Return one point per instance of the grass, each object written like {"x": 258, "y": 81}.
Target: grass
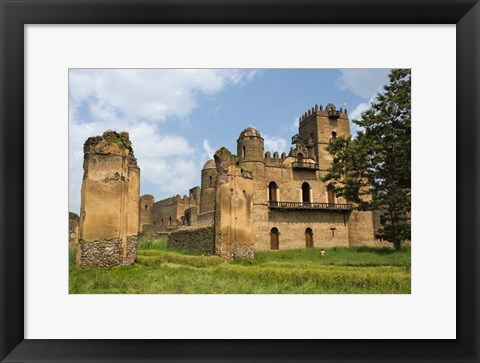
{"x": 341, "y": 271}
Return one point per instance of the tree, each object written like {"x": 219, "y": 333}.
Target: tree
{"x": 374, "y": 169}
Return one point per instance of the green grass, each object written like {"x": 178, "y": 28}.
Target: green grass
{"x": 341, "y": 271}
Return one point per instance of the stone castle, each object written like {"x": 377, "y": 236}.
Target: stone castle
{"x": 251, "y": 201}
{"x": 287, "y": 204}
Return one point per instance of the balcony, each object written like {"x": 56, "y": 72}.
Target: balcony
{"x": 298, "y": 139}
{"x": 310, "y": 206}
{"x": 304, "y": 165}
{"x": 333, "y": 113}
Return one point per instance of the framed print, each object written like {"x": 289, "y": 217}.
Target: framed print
{"x": 43, "y": 318}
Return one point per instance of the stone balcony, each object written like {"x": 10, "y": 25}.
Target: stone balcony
{"x": 304, "y": 165}
{"x": 309, "y": 206}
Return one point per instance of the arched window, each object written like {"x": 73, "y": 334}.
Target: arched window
{"x": 274, "y": 240}
{"x": 306, "y": 193}
{"x": 210, "y": 181}
{"x": 308, "y": 238}
{"x": 169, "y": 221}
{"x": 272, "y": 191}
{"x": 146, "y": 206}
{"x": 334, "y": 136}
{"x": 243, "y": 151}
{"x": 299, "y": 156}
{"x": 161, "y": 222}
{"x": 330, "y": 195}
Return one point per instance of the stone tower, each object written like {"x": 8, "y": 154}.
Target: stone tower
{"x": 207, "y": 191}
{"x": 146, "y": 203}
{"x": 109, "y": 213}
{"x": 317, "y": 127}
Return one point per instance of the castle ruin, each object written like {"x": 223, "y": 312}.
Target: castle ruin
{"x": 257, "y": 201}
{"x": 109, "y": 212}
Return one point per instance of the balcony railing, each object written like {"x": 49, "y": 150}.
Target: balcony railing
{"x": 333, "y": 113}
{"x": 297, "y": 138}
{"x": 304, "y": 165}
{"x": 308, "y": 205}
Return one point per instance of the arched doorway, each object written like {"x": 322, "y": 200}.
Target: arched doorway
{"x": 272, "y": 191}
{"x": 306, "y": 192}
{"x": 274, "y": 239}
{"x": 309, "y": 238}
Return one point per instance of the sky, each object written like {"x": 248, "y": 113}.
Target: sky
{"x": 178, "y": 118}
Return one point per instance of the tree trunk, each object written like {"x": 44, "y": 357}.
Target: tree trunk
{"x": 398, "y": 245}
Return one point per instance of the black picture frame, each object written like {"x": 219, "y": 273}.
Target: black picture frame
{"x": 16, "y": 13}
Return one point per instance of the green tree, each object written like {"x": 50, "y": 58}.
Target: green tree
{"x": 374, "y": 169}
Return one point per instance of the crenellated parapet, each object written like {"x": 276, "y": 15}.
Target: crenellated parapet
{"x": 330, "y": 111}
{"x": 274, "y": 160}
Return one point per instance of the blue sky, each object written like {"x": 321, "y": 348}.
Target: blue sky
{"x": 177, "y": 118}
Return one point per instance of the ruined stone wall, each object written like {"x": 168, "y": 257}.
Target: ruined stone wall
{"x": 73, "y": 228}
{"x": 109, "y": 215}
{"x": 233, "y": 208}
{"x": 195, "y": 240}
{"x": 206, "y": 219}
{"x": 169, "y": 209}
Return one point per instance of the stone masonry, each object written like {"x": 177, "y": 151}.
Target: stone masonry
{"x": 259, "y": 200}
{"x": 109, "y": 213}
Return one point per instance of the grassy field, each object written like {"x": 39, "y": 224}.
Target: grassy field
{"x": 359, "y": 270}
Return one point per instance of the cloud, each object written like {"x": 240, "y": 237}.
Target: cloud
{"x": 274, "y": 143}
{"x": 357, "y": 114}
{"x": 140, "y": 101}
{"x": 208, "y": 151}
{"x": 363, "y": 82}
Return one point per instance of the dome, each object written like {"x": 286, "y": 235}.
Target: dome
{"x": 210, "y": 164}
{"x": 249, "y": 132}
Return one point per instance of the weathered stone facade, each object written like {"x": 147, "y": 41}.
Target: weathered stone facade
{"x": 196, "y": 240}
{"x": 109, "y": 213}
{"x": 276, "y": 202}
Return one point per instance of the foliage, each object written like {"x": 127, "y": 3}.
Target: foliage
{"x": 374, "y": 170}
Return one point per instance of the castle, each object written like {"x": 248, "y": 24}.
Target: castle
{"x": 258, "y": 201}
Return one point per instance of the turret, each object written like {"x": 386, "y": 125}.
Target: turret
{"x": 250, "y": 145}
{"x": 207, "y": 193}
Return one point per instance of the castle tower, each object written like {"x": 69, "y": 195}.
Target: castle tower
{"x": 146, "y": 203}
{"x": 250, "y": 145}
{"x": 318, "y": 127}
{"x": 207, "y": 192}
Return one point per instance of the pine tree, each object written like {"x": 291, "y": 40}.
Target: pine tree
{"x": 374, "y": 170}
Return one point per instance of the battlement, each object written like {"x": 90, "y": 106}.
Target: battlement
{"x": 172, "y": 200}
{"x": 330, "y": 111}
{"x": 275, "y": 159}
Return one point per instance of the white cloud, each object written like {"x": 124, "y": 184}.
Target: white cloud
{"x": 208, "y": 151}
{"x": 357, "y": 114}
{"x": 363, "y": 82}
{"x": 274, "y": 143}
{"x": 138, "y": 101}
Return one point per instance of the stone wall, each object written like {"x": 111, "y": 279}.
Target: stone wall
{"x": 73, "y": 228}
{"x": 170, "y": 211}
{"x": 197, "y": 240}
{"x": 107, "y": 253}
{"x": 109, "y": 213}
{"x": 233, "y": 208}
{"x": 329, "y": 229}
